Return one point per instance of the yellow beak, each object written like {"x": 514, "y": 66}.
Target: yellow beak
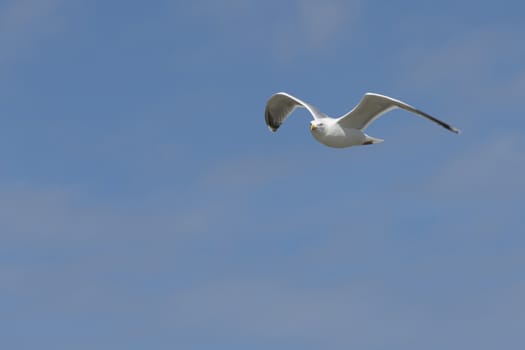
{"x": 312, "y": 127}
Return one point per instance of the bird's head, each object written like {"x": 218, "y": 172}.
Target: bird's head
{"x": 316, "y": 125}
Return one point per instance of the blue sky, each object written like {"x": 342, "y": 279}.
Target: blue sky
{"x": 144, "y": 203}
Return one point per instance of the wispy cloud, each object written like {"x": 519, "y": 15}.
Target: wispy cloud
{"x": 494, "y": 168}
{"x": 22, "y": 22}
{"x": 339, "y": 317}
{"x": 314, "y": 26}
{"x": 285, "y": 30}
{"x": 479, "y": 65}
{"x": 38, "y": 211}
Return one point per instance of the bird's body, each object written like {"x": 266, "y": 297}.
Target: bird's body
{"x": 347, "y": 130}
{"x": 331, "y": 134}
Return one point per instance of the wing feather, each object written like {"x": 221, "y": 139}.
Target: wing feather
{"x": 281, "y": 105}
{"x": 372, "y": 106}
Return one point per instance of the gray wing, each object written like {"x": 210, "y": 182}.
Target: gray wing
{"x": 372, "y": 106}
{"x": 281, "y": 105}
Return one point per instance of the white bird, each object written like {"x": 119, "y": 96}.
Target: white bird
{"x": 347, "y": 130}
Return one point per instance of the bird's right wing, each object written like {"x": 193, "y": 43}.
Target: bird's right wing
{"x": 372, "y": 106}
{"x": 281, "y": 105}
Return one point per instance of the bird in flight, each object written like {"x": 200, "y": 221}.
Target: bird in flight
{"x": 347, "y": 130}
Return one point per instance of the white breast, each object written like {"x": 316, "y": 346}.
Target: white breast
{"x": 335, "y": 136}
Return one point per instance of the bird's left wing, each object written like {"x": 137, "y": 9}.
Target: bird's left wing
{"x": 372, "y": 106}
{"x": 281, "y": 105}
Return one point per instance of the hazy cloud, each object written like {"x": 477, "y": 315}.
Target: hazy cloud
{"x": 495, "y": 167}
{"x": 314, "y": 26}
{"x": 22, "y": 22}
{"x": 480, "y": 65}
{"x": 339, "y": 317}
{"x": 285, "y": 29}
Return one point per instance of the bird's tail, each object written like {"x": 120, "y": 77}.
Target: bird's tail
{"x": 371, "y": 140}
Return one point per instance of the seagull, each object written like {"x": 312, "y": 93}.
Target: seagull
{"x": 347, "y": 130}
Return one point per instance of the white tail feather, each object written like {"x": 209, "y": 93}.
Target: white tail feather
{"x": 371, "y": 140}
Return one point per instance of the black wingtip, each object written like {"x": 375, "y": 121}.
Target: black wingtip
{"x": 453, "y": 129}
{"x": 272, "y": 126}
{"x": 434, "y": 119}
{"x": 271, "y": 122}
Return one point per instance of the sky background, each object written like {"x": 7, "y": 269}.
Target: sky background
{"x": 145, "y": 205}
